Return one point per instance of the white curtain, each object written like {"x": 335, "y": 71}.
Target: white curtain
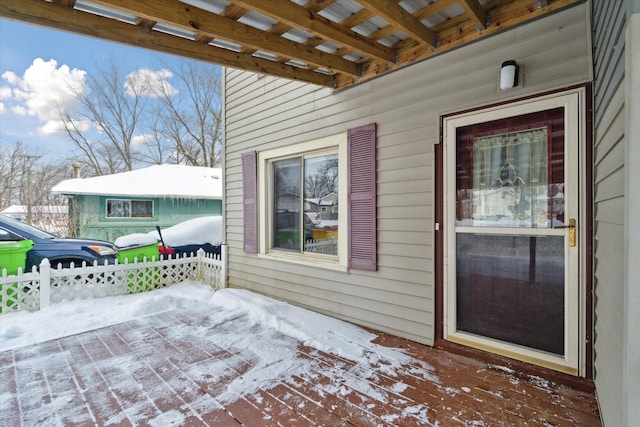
{"x": 510, "y": 179}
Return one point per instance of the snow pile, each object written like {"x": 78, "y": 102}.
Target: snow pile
{"x": 272, "y": 330}
{"x": 68, "y": 318}
{"x": 136, "y": 239}
{"x": 196, "y": 231}
{"x": 266, "y": 332}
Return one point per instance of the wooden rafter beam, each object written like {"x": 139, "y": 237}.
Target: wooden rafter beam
{"x": 204, "y": 28}
{"x": 146, "y": 24}
{"x": 475, "y": 12}
{"x": 209, "y": 24}
{"x": 434, "y": 8}
{"x": 299, "y": 17}
{"x": 357, "y": 18}
{"x": 51, "y": 15}
{"x": 504, "y": 14}
{"x": 281, "y": 28}
{"x": 234, "y": 12}
{"x": 66, "y": 3}
{"x": 403, "y": 20}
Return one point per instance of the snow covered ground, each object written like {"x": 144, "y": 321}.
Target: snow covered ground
{"x": 277, "y": 355}
{"x": 69, "y": 318}
{"x": 195, "y": 350}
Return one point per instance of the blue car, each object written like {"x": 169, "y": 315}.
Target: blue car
{"x": 59, "y": 250}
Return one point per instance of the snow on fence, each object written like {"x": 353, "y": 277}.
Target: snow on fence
{"x": 46, "y": 285}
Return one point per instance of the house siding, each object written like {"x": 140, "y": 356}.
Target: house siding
{"x": 609, "y": 189}
{"x": 609, "y": 20}
{"x": 616, "y": 192}
{"x": 265, "y": 113}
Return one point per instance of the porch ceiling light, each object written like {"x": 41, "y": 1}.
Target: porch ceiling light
{"x": 509, "y": 75}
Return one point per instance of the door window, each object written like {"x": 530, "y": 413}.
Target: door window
{"x": 510, "y": 286}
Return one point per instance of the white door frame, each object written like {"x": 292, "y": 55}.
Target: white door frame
{"x": 573, "y": 101}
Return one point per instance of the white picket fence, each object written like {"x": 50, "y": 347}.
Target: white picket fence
{"x": 46, "y": 285}
{"x": 322, "y": 246}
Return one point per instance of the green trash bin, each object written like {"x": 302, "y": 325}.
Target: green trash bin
{"x": 145, "y": 279}
{"x": 13, "y": 255}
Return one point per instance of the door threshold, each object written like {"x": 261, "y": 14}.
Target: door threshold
{"x": 513, "y": 351}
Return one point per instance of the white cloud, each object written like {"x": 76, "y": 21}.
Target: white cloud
{"x": 142, "y": 139}
{"x": 53, "y": 127}
{"x": 2, "y": 108}
{"x": 11, "y": 77}
{"x": 43, "y": 90}
{"x": 19, "y": 110}
{"x": 5, "y": 92}
{"x": 151, "y": 83}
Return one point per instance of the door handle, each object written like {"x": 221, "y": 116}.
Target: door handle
{"x": 572, "y": 231}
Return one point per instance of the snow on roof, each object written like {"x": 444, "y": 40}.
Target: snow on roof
{"x": 44, "y": 209}
{"x": 171, "y": 181}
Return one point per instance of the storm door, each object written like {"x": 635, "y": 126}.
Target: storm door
{"x": 512, "y": 281}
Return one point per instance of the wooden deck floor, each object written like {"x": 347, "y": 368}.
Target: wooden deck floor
{"x": 153, "y": 372}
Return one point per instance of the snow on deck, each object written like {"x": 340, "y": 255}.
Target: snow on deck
{"x": 188, "y": 356}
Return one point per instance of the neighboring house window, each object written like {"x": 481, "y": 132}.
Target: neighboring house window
{"x": 278, "y": 183}
{"x": 118, "y": 208}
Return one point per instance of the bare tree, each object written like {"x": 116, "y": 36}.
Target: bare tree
{"x": 325, "y": 180}
{"x": 116, "y": 109}
{"x": 140, "y": 118}
{"x": 26, "y": 179}
{"x": 189, "y": 121}
{"x": 11, "y": 159}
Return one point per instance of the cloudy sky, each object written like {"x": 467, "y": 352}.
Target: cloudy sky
{"x": 38, "y": 67}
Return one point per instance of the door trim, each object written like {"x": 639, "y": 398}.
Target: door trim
{"x": 577, "y": 357}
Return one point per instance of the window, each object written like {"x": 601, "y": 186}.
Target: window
{"x": 119, "y": 208}
{"x": 313, "y": 202}
{"x": 296, "y": 180}
{"x": 7, "y": 236}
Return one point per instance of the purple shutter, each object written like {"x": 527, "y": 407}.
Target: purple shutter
{"x": 250, "y": 201}
{"x": 361, "y": 188}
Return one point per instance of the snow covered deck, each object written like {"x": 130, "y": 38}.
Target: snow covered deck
{"x": 242, "y": 359}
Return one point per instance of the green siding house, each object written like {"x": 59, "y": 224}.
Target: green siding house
{"x": 109, "y": 206}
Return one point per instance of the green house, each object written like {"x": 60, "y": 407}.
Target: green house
{"x": 109, "y": 206}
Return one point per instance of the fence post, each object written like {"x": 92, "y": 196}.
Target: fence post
{"x": 45, "y": 283}
{"x": 200, "y": 254}
{"x": 223, "y": 273}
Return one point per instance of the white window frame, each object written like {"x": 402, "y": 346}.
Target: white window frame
{"x": 106, "y": 208}
{"x": 335, "y": 143}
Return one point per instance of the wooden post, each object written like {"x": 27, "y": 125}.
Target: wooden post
{"x": 224, "y": 259}
{"x": 45, "y": 283}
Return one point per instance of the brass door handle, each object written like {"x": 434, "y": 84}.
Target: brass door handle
{"x": 572, "y": 231}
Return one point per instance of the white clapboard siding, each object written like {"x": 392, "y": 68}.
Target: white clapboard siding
{"x": 265, "y": 113}
{"x": 610, "y": 146}
{"x": 609, "y": 254}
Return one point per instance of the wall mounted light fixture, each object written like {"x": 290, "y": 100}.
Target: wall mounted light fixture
{"x": 509, "y": 75}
